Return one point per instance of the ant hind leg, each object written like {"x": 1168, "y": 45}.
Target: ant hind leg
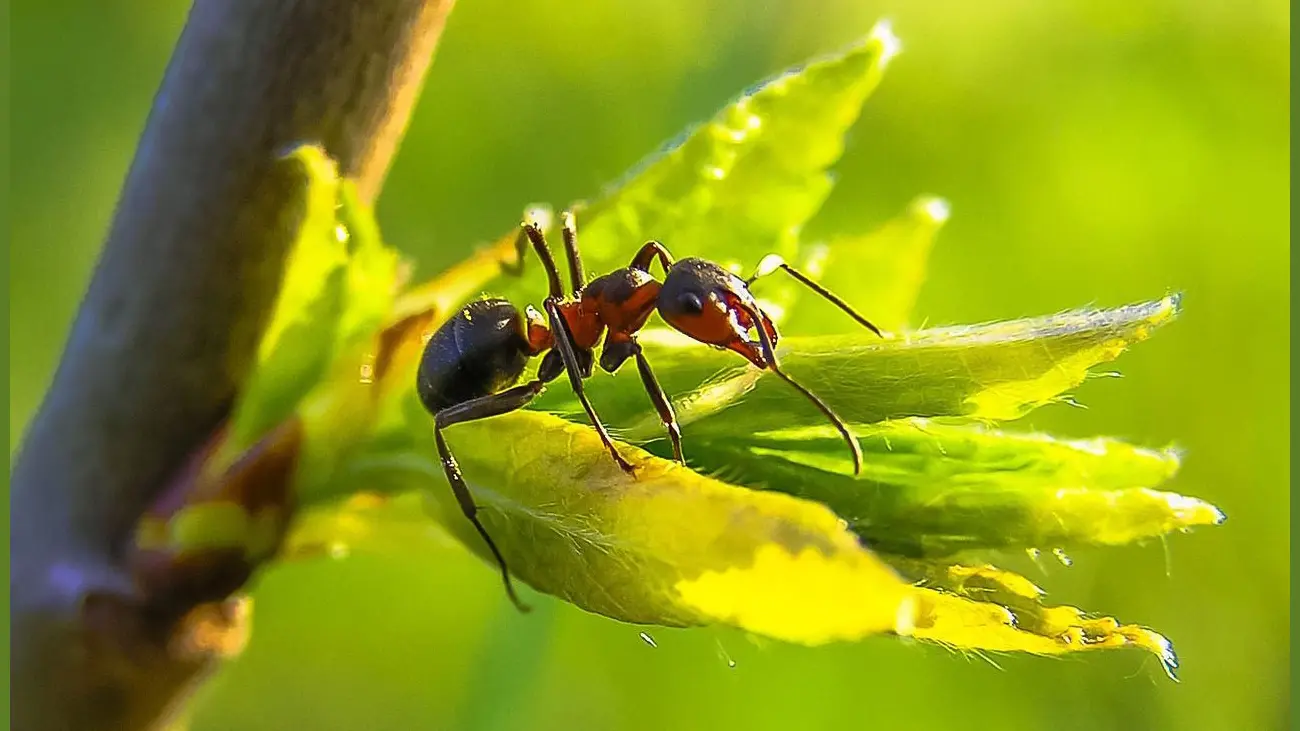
{"x": 495, "y": 404}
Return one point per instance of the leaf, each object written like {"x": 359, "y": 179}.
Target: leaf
{"x": 304, "y": 403}
{"x": 993, "y": 371}
{"x": 932, "y": 489}
{"x": 317, "y": 252}
{"x": 881, "y": 271}
{"x": 365, "y": 522}
{"x": 372, "y": 268}
{"x": 743, "y": 183}
{"x": 985, "y": 608}
{"x": 339, "y": 409}
{"x": 299, "y": 341}
{"x": 572, "y": 524}
{"x": 338, "y": 288}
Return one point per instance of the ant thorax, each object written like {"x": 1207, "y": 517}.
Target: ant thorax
{"x": 622, "y": 300}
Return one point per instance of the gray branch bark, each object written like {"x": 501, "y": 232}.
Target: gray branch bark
{"x": 168, "y": 328}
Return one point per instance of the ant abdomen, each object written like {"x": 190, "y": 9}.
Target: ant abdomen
{"x": 480, "y": 351}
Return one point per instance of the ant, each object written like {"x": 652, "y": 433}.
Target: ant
{"x": 471, "y": 366}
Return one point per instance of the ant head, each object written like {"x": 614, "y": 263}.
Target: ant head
{"x": 714, "y": 306}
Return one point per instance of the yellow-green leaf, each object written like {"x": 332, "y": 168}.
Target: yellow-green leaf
{"x": 936, "y": 489}
{"x": 984, "y": 608}
{"x": 992, "y": 371}
{"x": 299, "y": 342}
{"x": 318, "y": 250}
{"x": 881, "y": 271}
{"x": 338, "y": 288}
{"x": 668, "y": 547}
{"x": 743, "y": 183}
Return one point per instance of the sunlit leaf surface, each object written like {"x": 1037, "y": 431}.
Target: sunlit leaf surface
{"x": 572, "y": 524}
{"x": 1006, "y": 622}
{"x": 938, "y": 489}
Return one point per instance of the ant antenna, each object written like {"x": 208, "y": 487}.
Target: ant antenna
{"x": 769, "y": 353}
{"x": 831, "y": 415}
{"x": 773, "y": 262}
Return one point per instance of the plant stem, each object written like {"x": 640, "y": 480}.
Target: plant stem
{"x": 169, "y": 326}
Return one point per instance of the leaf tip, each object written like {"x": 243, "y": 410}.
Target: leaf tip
{"x": 933, "y": 209}
{"x": 1156, "y": 644}
{"x": 1169, "y": 307}
{"x": 312, "y": 157}
{"x": 1191, "y": 512}
{"x": 883, "y": 37}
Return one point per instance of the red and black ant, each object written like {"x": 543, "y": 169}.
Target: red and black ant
{"x": 471, "y": 366}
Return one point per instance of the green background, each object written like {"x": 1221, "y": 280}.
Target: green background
{"x": 1093, "y": 152}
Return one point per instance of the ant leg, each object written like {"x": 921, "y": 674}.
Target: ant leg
{"x": 660, "y": 401}
{"x": 534, "y": 234}
{"x": 649, "y": 251}
{"x": 564, "y": 344}
{"x": 495, "y": 404}
{"x": 516, "y": 267}
{"x": 773, "y": 262}
{"x": 769, "y": 354}
{"x": 569, "y": 231}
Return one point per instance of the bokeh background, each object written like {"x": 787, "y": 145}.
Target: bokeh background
{"x": 1094, "y": 152}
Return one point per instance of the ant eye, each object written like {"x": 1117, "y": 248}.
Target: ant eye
{"x": 690, "y": 303}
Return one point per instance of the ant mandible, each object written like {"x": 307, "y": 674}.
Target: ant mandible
{"x": 472, "y": 365}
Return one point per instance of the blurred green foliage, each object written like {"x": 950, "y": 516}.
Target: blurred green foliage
{"x": 1093, "y": 152}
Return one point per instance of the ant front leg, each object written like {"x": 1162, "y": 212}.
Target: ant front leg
{"x": 512, "y": 399}
{"x": 534, "y": 234}
{"x": 564, "y": 344}
{"x": 569, "y": 232}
